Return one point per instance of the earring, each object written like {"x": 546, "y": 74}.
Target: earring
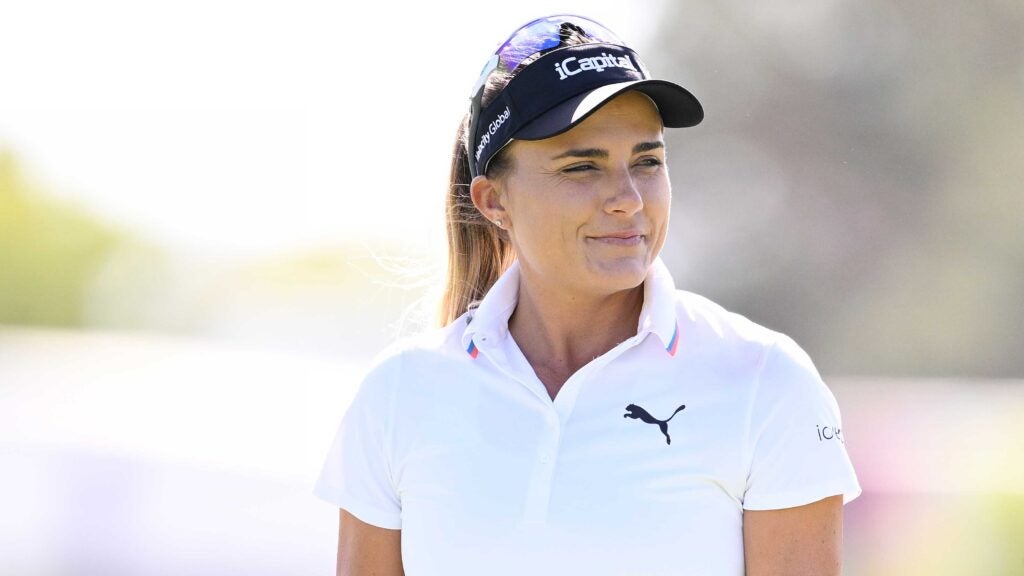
{"x": 497, "y": 222}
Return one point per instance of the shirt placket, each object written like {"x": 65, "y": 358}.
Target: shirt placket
{"x": 556, "y": 414}
{"x": 538, "y": 496}
{"x": 556, "y": 417}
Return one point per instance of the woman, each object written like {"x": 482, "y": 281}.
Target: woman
{"x": 586, "y": 417}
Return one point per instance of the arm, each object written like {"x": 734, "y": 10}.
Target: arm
{"x": 367, "y": 550}
{"x": 805, "y": 540}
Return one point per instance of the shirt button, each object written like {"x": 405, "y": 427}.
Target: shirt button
{"x": 544, "y": 458}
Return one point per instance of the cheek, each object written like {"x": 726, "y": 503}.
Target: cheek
{"x": 547, "y": 222}
{"x": 659, "y": 200}
{"x": 529, "y": 218}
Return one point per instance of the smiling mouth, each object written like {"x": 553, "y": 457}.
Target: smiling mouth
{"x": 619, "y": 239}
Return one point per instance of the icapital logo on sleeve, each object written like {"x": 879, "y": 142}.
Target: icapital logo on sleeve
{"x": 826, "y": 433}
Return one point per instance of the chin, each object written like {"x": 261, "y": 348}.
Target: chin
{"x": 620, "y": 274}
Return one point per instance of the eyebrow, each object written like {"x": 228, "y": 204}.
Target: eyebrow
{"x": 647, "y": 146}
{"x": 601, "y": 153}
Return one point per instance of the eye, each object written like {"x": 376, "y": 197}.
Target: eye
{"x": 579, "y": 168}
{"x": 650, "y": 162}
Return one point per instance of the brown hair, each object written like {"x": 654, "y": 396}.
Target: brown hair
{"x": 478, "y": 251}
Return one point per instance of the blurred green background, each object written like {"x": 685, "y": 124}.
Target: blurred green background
{"x": 858, "y": 183}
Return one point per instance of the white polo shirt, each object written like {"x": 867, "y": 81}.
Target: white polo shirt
{"x": 642, "y": 464}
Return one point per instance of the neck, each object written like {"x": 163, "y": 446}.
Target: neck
{"x": 559, "y": 333}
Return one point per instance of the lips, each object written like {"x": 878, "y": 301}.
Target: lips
{"x": 620, "y": 238}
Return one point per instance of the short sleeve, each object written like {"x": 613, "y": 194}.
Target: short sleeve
{"x": 356, "y": 475}
{"x": 797, "y": 449}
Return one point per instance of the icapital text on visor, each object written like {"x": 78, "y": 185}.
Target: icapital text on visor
{"x": 595, "y": 63}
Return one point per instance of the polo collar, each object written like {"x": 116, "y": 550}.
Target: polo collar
{"x": 658, "y": 314}
{"x": 490, "y": 318}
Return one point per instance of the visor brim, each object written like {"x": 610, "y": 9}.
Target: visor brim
{"x": 677, "y": 106}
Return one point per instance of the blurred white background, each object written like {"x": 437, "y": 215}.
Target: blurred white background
{"x": 257, "y": 126}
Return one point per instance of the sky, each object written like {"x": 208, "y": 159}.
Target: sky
{"x": 248, "y": 128}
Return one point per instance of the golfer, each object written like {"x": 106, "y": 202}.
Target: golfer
{"x": 577, "y": 413}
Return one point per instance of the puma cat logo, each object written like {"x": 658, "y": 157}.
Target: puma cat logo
{"x": 636, "y": 412}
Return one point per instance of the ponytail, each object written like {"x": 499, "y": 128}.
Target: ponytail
{"x": 478, "y": 251}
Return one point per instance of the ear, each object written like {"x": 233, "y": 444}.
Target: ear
{"x": 488, "y": 198}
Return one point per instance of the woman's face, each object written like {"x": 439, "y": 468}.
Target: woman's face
{"x": 588, "y": 210}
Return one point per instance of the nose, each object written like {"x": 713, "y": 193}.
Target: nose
{"x": 625, "y": 197}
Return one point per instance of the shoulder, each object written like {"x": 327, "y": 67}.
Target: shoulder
{"x": 713, "y": 333}
{"x": 707, "y": 328}
{"x": 432, "y": 341}
{"x": 423, "y": 353}
{"x": 784, "y": 372}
